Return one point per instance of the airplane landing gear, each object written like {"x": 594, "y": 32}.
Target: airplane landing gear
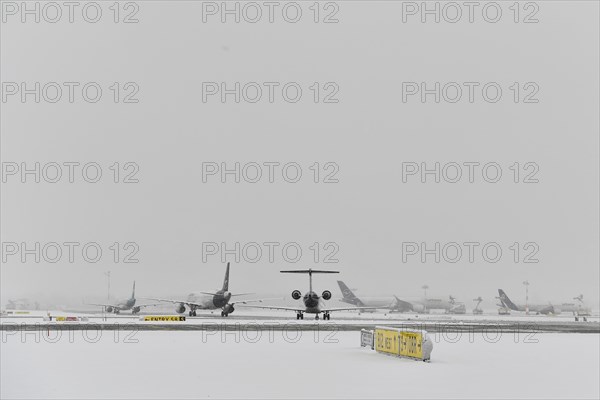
{"x": 299, "y": 316}
{"x": 224, "y": 314}
{"x": 326, "y": 316}
{"x": 192, "y": 313}
{"x": 316, "y": 316}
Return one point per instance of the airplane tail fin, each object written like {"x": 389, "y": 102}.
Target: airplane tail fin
{"x": 506, "y": 301}
{"x": 348, "y": 295}
{"x": 402, "y": 306}
{"x": 226, "y": 280}
{"x": 133, "y": 292}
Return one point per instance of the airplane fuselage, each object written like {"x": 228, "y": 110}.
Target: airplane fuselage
{"x": 383, "y": 303}
{"x": 539, "y": 308}
{"x": 121, "y": 305}
{"x": 535, "y": 308}
{"x": 210, "y": 302}
{"x": 126, "y": 304}
{"x": 311, "y": 302}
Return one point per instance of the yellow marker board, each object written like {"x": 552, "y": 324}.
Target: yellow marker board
{"x": 411, "y": 344}
{"x": 387, "y": 341}
{"x": 63, "y": 319}
{"x": 403, "y": 342}
{"x": 164, "y": 318}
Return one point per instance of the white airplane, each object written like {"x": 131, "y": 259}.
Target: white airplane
{"x": 534, "y": 308}
{"x": 124, "y": 305}
{"x": 311, "y": 300}
{"x": 391, "y": 303}
{"x": 210, "y": 300}
{"x": 394, "y": 304}
{"x": 579, "y": 309}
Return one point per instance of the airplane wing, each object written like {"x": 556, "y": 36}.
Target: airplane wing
{"x": 104, "y": 305}
{"x": 216, "y": 294}
{"x": 186, "y": 302}
{"x": 277, "y": 308}
{"x": 147, "y": 305}
{"x": 347, "y": 309}
{"x": 246, "y": 301}
{"x": 321, "y": 310}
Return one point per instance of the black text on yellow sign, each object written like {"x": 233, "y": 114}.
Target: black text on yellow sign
{"x": 411, "y": 344}
{"x": 162, "y": 318}
{"x": 406, "y": 344}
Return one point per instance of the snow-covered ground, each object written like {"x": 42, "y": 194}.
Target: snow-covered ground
{"x": 276, "y": 364}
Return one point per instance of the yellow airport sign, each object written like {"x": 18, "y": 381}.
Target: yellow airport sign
{"x": 162, "y": 318}
{"x": 387, "y": 341}
{"x": 63, "y": 319}
{"x": 409, "y": 343}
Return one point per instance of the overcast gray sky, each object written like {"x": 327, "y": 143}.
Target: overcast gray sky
{"x": 366, "y": 61}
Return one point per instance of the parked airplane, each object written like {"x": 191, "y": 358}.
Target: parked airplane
{"x": 450, "y": 306}
{"x": 391, "y": 303}
{"x": 536, "y": 308}
{"x": 22, "y": 304}
{"x": 395, "y": 304}
{"x": 210, "y": 300}
{"x": 124, "y": 305}
{"x": 311, "y": 300}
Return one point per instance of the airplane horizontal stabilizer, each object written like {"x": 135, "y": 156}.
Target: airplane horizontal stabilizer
{"x": 309, "y": 271}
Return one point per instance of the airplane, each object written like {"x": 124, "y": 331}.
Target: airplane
{"x": 450, "y": 306}
{"x": 536, "y": 308}
{"x": 398, "y": 305}
{"x": 209, "y": 300}
{"x": 392, "y": 303}
{"x": 124, "y": 305}
{"x": 22, "y": 304}
{"x": 311, "y": 300}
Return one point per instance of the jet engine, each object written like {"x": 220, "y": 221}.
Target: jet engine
{"x": 228, "y": 309}
{"x": 180, "y": 309}
{"x": 296, "y": 294}
{"x": 109, "y": 309}
{"x": 136, "y": 310}
{"x": 326, "y": 295}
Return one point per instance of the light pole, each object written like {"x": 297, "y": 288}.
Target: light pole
{"x": 425, "y": 287}
{"x": 526, "y": 283}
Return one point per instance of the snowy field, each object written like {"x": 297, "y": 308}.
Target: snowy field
{"x": 276, "y": 364}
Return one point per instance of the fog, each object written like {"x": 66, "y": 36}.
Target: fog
{"x": 365, "y": 215}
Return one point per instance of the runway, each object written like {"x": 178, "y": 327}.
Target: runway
{"x": 282, "y": 321}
